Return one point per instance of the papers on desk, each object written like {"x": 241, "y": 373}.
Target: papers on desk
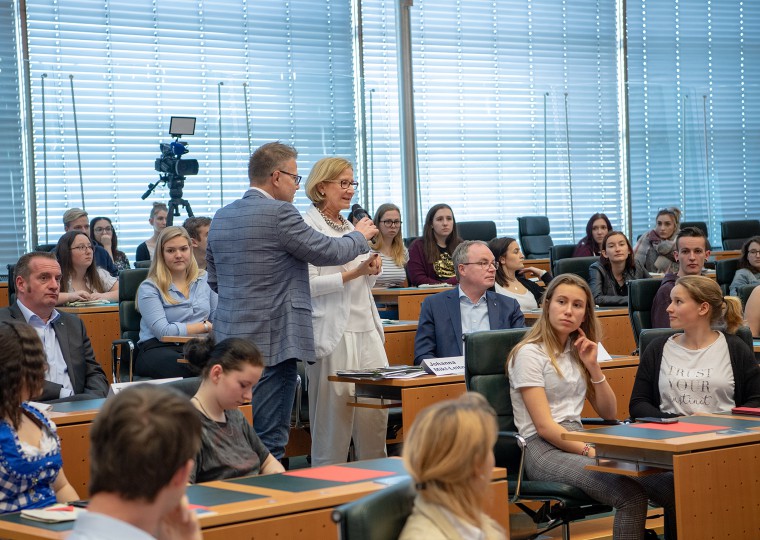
{"x": 392, "y": 372}
{"x": 118, "y": 387}
{"x": 434, "y": 286}
{"x": 88, "y": 303}
{"x": 57, "y": 513}
{"x": 601, "y": 353}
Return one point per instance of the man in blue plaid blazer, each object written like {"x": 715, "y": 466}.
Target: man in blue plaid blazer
{"x": 257, "y": 255}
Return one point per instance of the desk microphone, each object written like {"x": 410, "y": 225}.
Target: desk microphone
{"x": 359, "y": 212}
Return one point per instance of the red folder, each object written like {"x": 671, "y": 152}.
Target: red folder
{"x": 752, "y": 411}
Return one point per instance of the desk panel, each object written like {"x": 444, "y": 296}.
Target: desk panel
{"x": 408, "y": 299}
{"x": 399, "y": 342}
{"x": 4, "y": 294}
{"x": 102, "y": 324}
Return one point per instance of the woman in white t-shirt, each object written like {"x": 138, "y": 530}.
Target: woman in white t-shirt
{"x": 81, "y": 279}
{"x": 703, "y": 369}
{"x": 551, "y": 373}
{"x": 389, "y": 244}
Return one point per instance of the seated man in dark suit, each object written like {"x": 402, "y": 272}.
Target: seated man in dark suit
{"x": 75, "y": 219}
{"x": 470, "y": 307}
{"x": 692, "y": 250}
{"x": 72, "y": 373}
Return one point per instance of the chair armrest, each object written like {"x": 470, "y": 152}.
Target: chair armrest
{"x": 522, "y": 444}
{"x": 118, "y": 345}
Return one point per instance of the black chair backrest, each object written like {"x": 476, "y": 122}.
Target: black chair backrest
{"x": 408, "y": 240}
{"x": 733, "y": 234}
{"x": 724, "y": 273}
{"x": 533, "y": 233}
{"x": 641, "y": 293}
{"x": 11, "y": 284}
{"x": 575, "y": 265}
{"x": 560, "y": 251}
{"x": 744, "y": 293}
{"x": 187, "y": 387}
{"x": 701, "y": 225}
{"x": 477, "y": 230}
{"x": 141, "y": 264}
{"x": 485, "y": 360}
{"x": 379, "y": 516}
{"x": 45, "y": 247}
{"x": 129, "y": 317}
{"x": 647, "y": 336}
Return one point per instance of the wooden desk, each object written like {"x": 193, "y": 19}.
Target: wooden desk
{"x": 4, "y": 301}
{"x": 722, "y": 255}
{"x": 543, "y": 264}
{"x": 273, "y": 507}
{"x": 102, "y": 324}
{"x": 408, "y": 299}
{"x": 617, "y": 334}
{"x": 620, "y": 373}
{"x": 399, "y": 341}
{"x": 74, "y": 419}
{"x": 717, "y": 476}
{"x": 412, "y": 394}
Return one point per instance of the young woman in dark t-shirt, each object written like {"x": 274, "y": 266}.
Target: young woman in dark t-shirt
{"x": 229, "y": 446}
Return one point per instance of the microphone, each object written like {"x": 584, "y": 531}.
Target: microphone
{"x": 359, "y": 212}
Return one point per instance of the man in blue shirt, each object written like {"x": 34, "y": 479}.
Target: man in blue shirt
{"x": 470, "y": 307}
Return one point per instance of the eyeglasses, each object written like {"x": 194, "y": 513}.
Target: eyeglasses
{"x": 485, "y": 265}
{"x": 392, "y": 222}
{"x": 296, "y": 177}
{"x": 753, "y": 252}
{"x": 83, "y": 249}
{"x": 103, "y": 229}
{"x": 344, "y": 184}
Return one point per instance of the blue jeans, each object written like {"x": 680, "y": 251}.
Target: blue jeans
{"x": 273, "y": 398}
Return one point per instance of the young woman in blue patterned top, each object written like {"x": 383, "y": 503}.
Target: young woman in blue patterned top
{"x": 31, "y": 470}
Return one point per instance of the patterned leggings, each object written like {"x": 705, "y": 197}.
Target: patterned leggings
{"x": 629, "y": 496}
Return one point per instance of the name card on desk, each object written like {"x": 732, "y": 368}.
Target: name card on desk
{"x": 453, "y": 365}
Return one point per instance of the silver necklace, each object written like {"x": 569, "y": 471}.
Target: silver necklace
{"x": 340, "y": 227}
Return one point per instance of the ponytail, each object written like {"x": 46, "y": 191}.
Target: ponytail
{"x": 733, "y": 314}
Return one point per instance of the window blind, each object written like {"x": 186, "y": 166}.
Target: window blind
{"x": 516, "y": 109}
{"x": 694, "y": 109}
{"x": 249, "y": 72}
{"x": 13, "y": 214}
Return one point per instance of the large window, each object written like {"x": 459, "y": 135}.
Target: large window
{"x": 694, "y": 109}
{"x": 250, "y": 73}
{"x": 516, "y": 108}
{"x": 13, "y": 204}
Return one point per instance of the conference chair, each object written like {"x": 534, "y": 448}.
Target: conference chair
{"x": 408, "y": 240}
{"x": 649, "y": 335}
{"x": 701, "y": 225}
{"x": 724, "y": 273}
{"x": 123, "y": 349}
{"x": 733, "y": 234}
{"x": 533, "y": 232}
{"x": 575, "y": 265}
{"x": 477, "y": 230}
{"x": 558, "y": 252}
{"x": 45, "y": 247}
{"x": 11, "y": 284}
{"x": 379, "y": 516}
{"x": 484, "y": 372}
{"x": 641, "y": 293}
{"x": 141, "y": 264}
{"x": 744, "y": 293}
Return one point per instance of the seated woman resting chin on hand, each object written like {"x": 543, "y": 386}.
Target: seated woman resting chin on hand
{"x": 81, "y": 279}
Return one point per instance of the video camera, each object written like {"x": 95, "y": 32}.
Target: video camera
{"x": 173, "y": 168}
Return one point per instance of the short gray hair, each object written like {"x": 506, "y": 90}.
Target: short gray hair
{"x": 267, "y": 158}
{"x": 462, "y": 251}
{"x": 72, "y": 214}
